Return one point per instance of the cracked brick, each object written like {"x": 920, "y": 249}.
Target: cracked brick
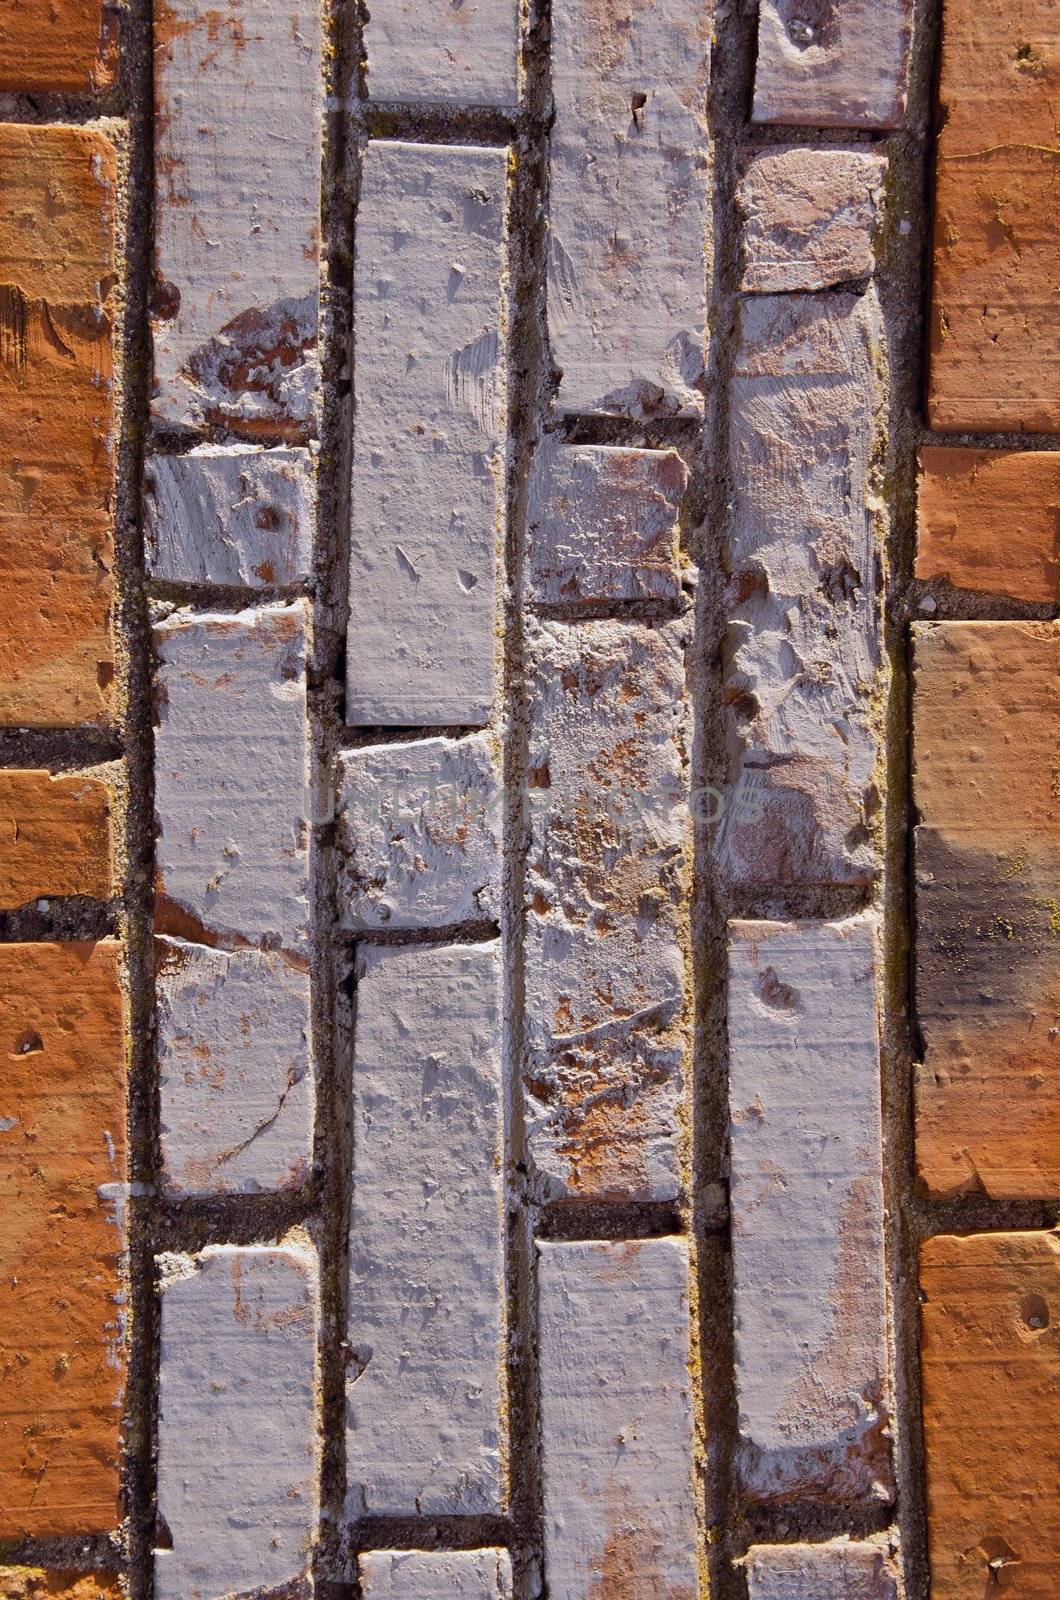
{"x": 810, "y": 217}
{"x": 833, "y": 63}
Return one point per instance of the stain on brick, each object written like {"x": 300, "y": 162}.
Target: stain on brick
{"x": 67, "y": 46}
{"x": 989, "y": 520}
{"x": 833, "y": 63}
{"x": 449, "y": 52}
{"x": 55, "y": 837}
{"x": 810, "y": 217}
{"x": 456, "y": 1575}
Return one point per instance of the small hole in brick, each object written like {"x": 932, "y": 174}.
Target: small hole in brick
{"x": 29, "y": 1044}
{"x": 636, "y": 107}
{"x": 1034, "y": 1311}
{"x": 810, "y": 23}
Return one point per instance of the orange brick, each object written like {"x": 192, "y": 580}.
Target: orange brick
{"x": 988, "y": 520}
{"x": 58, "y": 44}
{"x": 988, "y": 919}
{"x": 990, "y": 1356}
{"x": 34, "y": 1583}
{"x": 995, "y": 328}
{"x": 57, "y": 202}
{"x": 54, "y": 837}
{"x": 62, "y": 1168}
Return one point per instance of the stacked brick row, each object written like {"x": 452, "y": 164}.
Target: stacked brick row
{"x": 985, "y": 790}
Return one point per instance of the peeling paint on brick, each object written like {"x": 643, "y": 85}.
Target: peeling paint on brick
{"x": 810, "y": 217}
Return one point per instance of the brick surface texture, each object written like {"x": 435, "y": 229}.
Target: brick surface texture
{"x": 411, "y": 1575}
{"x": 810, "y": 218}
{"x": 838, "y": 1570}
{"x": 55, "y": 836}
{"x": 832, "y": 65}
{"x": 987, "y": 520}
{"x": 70, "y": 45}
{"x": 36, "y": 1583}
{"x": 432, "y": 50}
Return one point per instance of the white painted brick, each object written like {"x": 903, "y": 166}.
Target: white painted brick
{"x": 607, "y": 887}
{"x": 807, "y": 1209}
{"x": 426, "y": 1319}
{"x": 604, "y": 523}
{"x": 231, "y": 770}
{"x": 234, "y": 1069}
{"x": 838, "y": 1570}
{"x": 629, "y": 205}
{"x": 833, "y": 63}
{"x": 802, "y": 665}
{"x": 237, "y": 208}
{"x": 616, "y": 1420}
{"x": 463, "y": 53}
{"x": 231, "y": 514}
{"x": 420, "y": 828}
{"x": 237, "y": 1452}
{"x": 809, "y": 217}
{"x": 414, "y": 1575}
{"x": 429, "y": 440}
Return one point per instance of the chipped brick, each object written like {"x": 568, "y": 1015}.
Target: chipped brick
{"x": 995, "y": 354}
{"x": 616, "y": 1420}
{"x": 809, "y": 217}
{"x": 807, "y": 1210}
{"x": 833, "y": 63}
{"x": 38, "y": 1583}
{"x": 234, "y": 1070}
{"x": 420, "y": 833}
{"x": 607, "y": 887}
{"x": 426, "y": 1292}
{"x": 802, "y": 670}
{"x": 67, "y": 46}
{"x": 429, "y": 442}
{"x": 629, "y": 205}
{"x": 604, "y": 523}
{"x": 987, "y": 520}
{"x": 235, "y": 515}
{"x": 839, "y": 1570}
{"x": 57, "y": 309}
{"x": 55, "y": 836}
{"x": 990, "y": 1363}
{"x": 987, "y": 867}
{"x": 451, "y": 54}
{"x": 62, "y": 1192}
{"x": 237, "y": 208}
{"x": 456, "y": 1575}
{"x": 237, "y": 1444}
{"x": 231, "y": 771}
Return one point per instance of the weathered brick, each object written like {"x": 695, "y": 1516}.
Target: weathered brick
{"x": 833, "y": 63}
{"x": 616, "y": 1420}
{"x": 57, "y": 309}
{"x": 987, "y": 867}
{"x": 66, "y": 45}
{"x": 54, "y": 836}
{"x": 231, "y": 770}
{"x": 62, "y": 1191}
{"x": 237, "y": 1427}
{"x": 413, "y": 1575}
{"x": 995, "y": 351}
{"x": 809, "y": 217}
{"x": 987, "y": 520}
{"x": 838, "y": 1570}
{"x": 234, "y": 1069}
{"x": 429, "y": 443}
{"x": 38, "y": 1583}
{"x": 629, "y": 217}
{"x": 802, "y": 668}
{"x": 990, "y": 1363}
{"x": 232, "y": 514}
{"x": 435, "y": 50}
{"x": 426, "y": 1319}
{"x": 607, "y": 885}
{"x": 237, "y": 209}
{"x": 604, "y": 523}
{"x": 420, "y": 829}
{"x": 807, "y": 1210}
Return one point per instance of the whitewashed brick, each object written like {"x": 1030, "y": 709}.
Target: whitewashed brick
{"x": 810, "y": 217}
{"x": 429, "y": 442}
{"x": 629, "y": 205}
{"x": 465, "y": 53}
{"x": 838, "y": 1570}
{"x": 807, "y": 1210}
{"x": 833, "y": 63}
{"x": 616, "y": 1420}
{"x": 604, "y": 523}
{"x": 237, "y": 207}
{"x": 426, "y": 1319}
{"x": 234, "y": 1069}
{"x": 420, "y": 828}
{"x": 414, "y": 1575}
{"x": 237, "y": 1449}
{"x": 231, "y": 514}
{"x": 231, "y": 770}
{"x": 607, "y": 887}
{"x": 803, "y": 661}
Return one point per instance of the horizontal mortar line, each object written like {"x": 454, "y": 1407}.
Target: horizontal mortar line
{"x": 630, "y": 611}
{"x": 764, "y": 134}
{"x": 225, "y": 597}
{"x": 53, "y": 748}
{"x": 425, "y": 1532}
{"x": 350, "y": 736}
{"x": 166, "y": 439}
{"x": 479, "y": 931}
{"x": 431, "y": 123}
{"x": 953, "y": 604}
{"x": 631, "y": 433}
{"x": 187, "y": 1224}
{"x": 796, "y": 1521}
{"x": 992, "y": 439}
{"x": 979, "y": 1213}
{"x": 575, "y": 1221}
{"x": 812, "y": 903}
{"x": 67, "y": 920}
{"x": 88, "y": 1552}
{"x": 56, "y": 108}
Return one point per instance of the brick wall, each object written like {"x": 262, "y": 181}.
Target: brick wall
{"x": 528, "y": 800}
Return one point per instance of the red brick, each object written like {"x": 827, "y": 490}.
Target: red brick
{"x": 54, "y": 837}
{"x": 59, "y": 45}
{"x": 62, "y": 1174}
{"x": 990, "y": 1356}
{"x": 36, "y": 1583}
{"x": 988, "y": 521}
